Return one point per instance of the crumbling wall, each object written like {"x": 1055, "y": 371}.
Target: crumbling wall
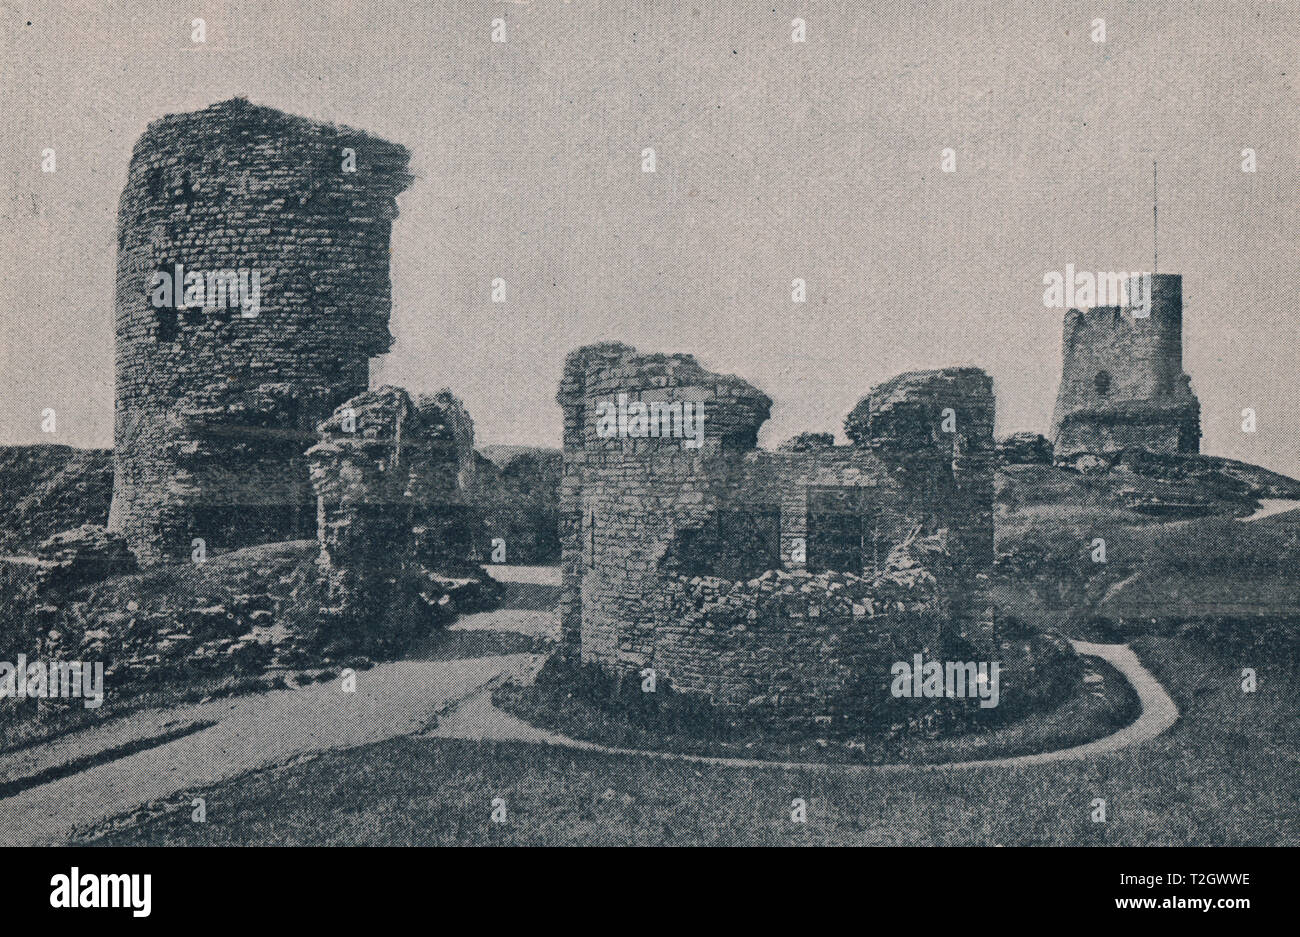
{"x": 670, "y": 552}
{"x": 622, "y": 498}
{"x": 1025, "y": 449}
{"x": 802, "y": 642}
{"x": 214, "y": 406}
{"x": 363, "y": 514}
{"x": 934, "y": 429}
{"x": 383, "y": 469}
{"x": 807, "y": 442}
{"x": 444, "y": 519}
{"x": 1122, "y": 381}
{"x": 386, "y": 473}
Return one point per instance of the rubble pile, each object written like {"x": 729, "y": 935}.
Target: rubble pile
{"x": 1025, "y": 449}
{"x": 85, "y": 554}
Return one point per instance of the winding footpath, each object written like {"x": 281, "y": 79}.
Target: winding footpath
{"x": 477, "y": 718}
{"x": 51, "y": 791}
{"x": 231, "y": 736}
{"x": 1271, "y": 506}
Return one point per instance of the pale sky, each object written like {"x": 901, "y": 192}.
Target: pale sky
{"x": 776, "y": 160}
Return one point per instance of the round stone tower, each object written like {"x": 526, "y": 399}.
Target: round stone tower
{"x": 252, "y": 291}
{"x": 1122, "y": 381}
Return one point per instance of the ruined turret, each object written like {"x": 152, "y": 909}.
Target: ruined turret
{"x": 1122, "y": 384}
{"x": 252, "y": 291}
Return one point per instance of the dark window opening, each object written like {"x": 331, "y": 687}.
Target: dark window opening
{"x": 168, "y": 318}
{"x": 731, "y": 544}
{"x": 1102, "y": 382}
{"x": 156, "y": 184}
{"x": 842, "y": 530}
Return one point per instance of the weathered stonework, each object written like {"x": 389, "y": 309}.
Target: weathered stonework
{"x": 387, "y": 476}
{"x": 1122, "y": 384}
{"x": 214, "y": 409}
{"x": 807, "y": 442}
{"x": 74, "y": 558}
{"x": 714, "y": 565}
{"x": 1025, "y": 449}
{"x": 803, "y": 642}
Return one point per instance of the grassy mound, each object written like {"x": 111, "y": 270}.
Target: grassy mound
{"x": 1051, "y": 700}
{"x": 1157, "y": 573}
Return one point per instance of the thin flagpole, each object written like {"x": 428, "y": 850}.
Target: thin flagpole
{"x": 1155, "y": 219}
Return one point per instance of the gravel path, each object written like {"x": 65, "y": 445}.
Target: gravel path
{"x": 530, "y": 575}
{"x": 477, "y": 718}
{"x": 1270, "y": 506}
{"x": 84, "y": 778}
{"x": 248, "y": 732}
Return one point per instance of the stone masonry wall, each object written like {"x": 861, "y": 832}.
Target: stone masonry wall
{"x": 643, "y": 519}
{"x": 802, "y": 642}
{"x": 214, "y": 409}
{"x": 622, "y": 498}
{"x": 934, "y": 429}
{"x": 1122, "y": 381}
{"x": 384, "y": 469}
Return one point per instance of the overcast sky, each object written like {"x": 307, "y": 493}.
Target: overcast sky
{"x": 776, "y": 160}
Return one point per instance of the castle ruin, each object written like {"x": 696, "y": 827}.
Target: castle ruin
{"x": 388, "y": 474}
{"x": 740, "y": 574}
{"x": 219, "y": 392}
{"x": 1122, "y": 384}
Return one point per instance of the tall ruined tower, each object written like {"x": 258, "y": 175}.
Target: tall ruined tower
{"x": 252, "y": 291}
{"x": 1122, "y": 384}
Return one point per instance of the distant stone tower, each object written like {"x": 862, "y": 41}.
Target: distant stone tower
{"x": 218, "y": 397}
{"x": 1122, "y": 384}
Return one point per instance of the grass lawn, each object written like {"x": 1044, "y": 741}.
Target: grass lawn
{"x": 1153, "y": 571}
{"x": 1225, "y": 774}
